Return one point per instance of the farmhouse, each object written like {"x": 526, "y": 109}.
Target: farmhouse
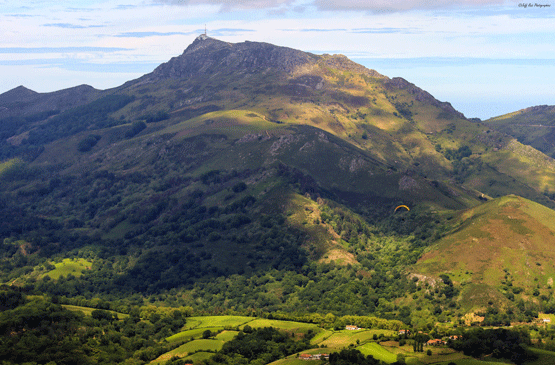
{"x": 352, "y": 328}
{"x": 404, "y": 332}
{"x": 435, "y": 342}
{"x": 314, "y": 356}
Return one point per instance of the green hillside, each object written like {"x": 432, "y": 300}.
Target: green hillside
{"x": 532, "y": 126}
{"x": 500, "y": 252}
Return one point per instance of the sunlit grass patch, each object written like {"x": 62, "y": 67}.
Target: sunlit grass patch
{"x": 74, "y": 267}
{"x": 226, "y": 335}
{"x": 378, "y": 352}
{"x": 190, "y": 334}
{"x": 88, "y": 310}
{"x": 217, "y": 321}
{"x": 283, "y": 325}
{"x": 345, "y": 338}
{"x": 6, "y": 165}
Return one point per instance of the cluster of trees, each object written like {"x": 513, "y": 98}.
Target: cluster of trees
{"x": 39, "y": 331}
{"x": 509, "y": 344}
{"x": 94, "y": 115}
{"x": 259, "y": 346}
{"x": 352, "y": 356}
{"x": 155, "y": 117}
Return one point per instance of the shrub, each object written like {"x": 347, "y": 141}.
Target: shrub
{"x": 136, "y": 128}
{"x": 87, "y": 143}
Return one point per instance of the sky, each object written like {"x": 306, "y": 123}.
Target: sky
{"x": 485, "y": 57}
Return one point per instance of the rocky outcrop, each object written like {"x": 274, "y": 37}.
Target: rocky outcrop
{"x": 341, "y": 62}
{"x": 209, "y": 56}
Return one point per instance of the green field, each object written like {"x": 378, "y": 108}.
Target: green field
{"x": 191, "y": 334}
{"x": 87, "y": 310}
{"x": 74, "y": 267}
{"x": 217, "y": 321}
{"x": 195, "y": 348}
{"x": 283, "y": 325}
{"x": 377, "y": 352}
{"x": 345, "y": 338}
{"x": 226, "y": 335}
{"x": 544, "y": 357}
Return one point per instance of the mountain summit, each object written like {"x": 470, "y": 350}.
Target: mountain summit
{"x": 207, "y": 55}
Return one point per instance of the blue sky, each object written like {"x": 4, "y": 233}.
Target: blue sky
{"x": 486, "y": 57}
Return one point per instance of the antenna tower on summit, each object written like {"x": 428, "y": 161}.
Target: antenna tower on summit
{"x": 204, "y": 29}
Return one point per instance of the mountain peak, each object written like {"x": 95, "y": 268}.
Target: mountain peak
{"x": 17, "y": 94}
{"x": 207, "y": 55}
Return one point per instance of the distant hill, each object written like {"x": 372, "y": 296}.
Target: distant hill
{"x": 25, "y": 102}
{"x": 534, "y": 126}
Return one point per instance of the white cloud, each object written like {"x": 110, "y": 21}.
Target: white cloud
{"x": 233, "y": 4}
{"x": 347, "y": 5}
{"x": 400, "y": 5}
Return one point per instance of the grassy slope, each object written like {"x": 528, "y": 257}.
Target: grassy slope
{"x": 532, "y": 126}
{"x": 74, "y": 267}
{"x": 506, "y": 240}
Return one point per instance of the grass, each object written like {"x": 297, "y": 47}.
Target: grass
{"x": 234, "y": 123}
{"x": 544, "y": 357}
{"x": 6, "y": 165}
{"x": 87, "y": 310}
{"x": 226, "y": 335}
{"x": 283, "y": 325}
{"x": 345, "y": 338}
{"x": 378, "y": 352}
{"x": 191, "y": 334}
{"x": 199, "y": 345}
{"x": 204, "y": 346}
{"x": 217, "y": 321}
{"x": 74, "y": 267}
{"x": 492, "y": 241}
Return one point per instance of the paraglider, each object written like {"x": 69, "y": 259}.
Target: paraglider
{"x": 402, "y": 206}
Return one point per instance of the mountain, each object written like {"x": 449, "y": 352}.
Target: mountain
{"x": 496, "y": 252}
{"x": 532, "y": 126}
{"x": 24, "y": 102}
{"x": 249, "y": 176}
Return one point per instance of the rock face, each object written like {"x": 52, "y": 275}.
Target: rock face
{"x": 208, "y": 56}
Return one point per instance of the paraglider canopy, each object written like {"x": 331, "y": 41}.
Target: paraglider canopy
{"x": 401, "y": 206}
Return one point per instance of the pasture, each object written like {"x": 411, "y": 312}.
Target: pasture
{"x": 217, "y": 321}
{"x": 88, "y": 310}
{"x": 74, "y": 267}
{"x": 344, "y": 338}
{"x": 191, "y": 334}
{"x": 378, "y": 352}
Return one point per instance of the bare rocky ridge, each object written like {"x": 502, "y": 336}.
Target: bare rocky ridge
{"x": 209, "y": 56}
